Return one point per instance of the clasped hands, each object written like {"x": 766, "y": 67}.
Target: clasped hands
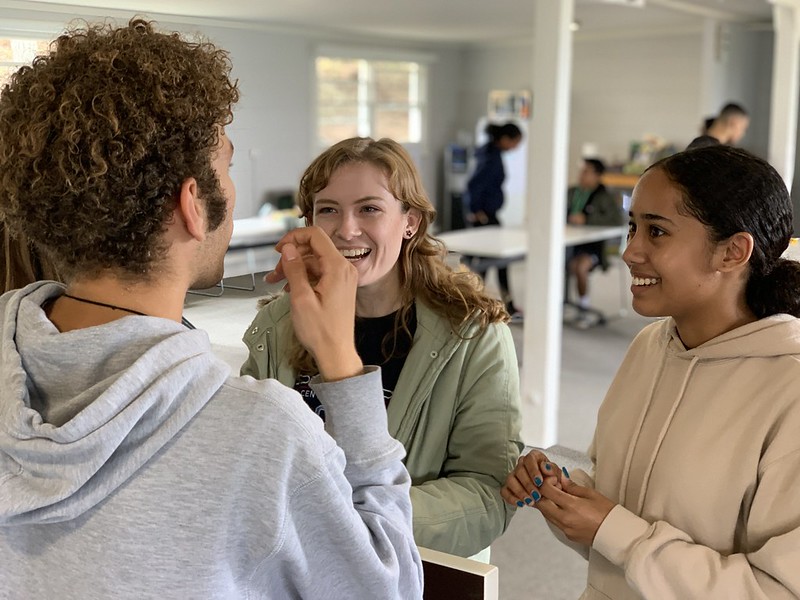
{"x": 576, "y": 510}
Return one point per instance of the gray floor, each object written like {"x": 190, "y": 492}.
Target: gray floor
{"x": 532, "y": 563}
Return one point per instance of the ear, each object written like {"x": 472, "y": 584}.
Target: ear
{"x": 736, "y": 252}
{"x": 413, "y": 218}
{"x": 192, "y": 209}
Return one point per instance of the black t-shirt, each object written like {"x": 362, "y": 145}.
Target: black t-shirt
{"x": 375, "y": 338}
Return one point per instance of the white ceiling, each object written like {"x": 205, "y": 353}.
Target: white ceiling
{"x": 431, "y": 20}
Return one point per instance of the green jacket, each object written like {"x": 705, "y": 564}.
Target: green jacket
{"x": 455, "y": 410}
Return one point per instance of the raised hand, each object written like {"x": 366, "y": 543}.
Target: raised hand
{"x": 322, "y": 286}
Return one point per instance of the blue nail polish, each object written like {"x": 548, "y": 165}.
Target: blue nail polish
{"x": 537, "y": 480}
{"x": 547, "y": 467}
{"x": 528, "y": 500}
{"x": 564, "y": 469}
{"x": 520, "y": 503}
{"x": 536, "y": 496}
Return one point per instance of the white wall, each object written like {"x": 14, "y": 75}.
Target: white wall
{"x": 273, "y": 122}
{"x": 625, "y": 87}
{"x": 622, "y": 89}
{"x": 738, "y": 68}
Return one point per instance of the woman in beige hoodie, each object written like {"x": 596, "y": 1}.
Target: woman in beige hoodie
{"x": 695, "y": 491}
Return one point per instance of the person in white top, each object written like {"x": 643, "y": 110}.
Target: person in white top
{"x": 695, "y": 490}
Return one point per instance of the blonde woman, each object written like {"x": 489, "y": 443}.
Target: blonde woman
{"x": 450, "y": 375}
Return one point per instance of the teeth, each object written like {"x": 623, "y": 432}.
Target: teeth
{"x": 354, "y": 252}
{"x": 644, "y": 281}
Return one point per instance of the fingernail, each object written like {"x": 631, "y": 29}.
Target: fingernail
{"x": 564, "y": 469}
{"x": 528, "y": 500}
{"x": 536, "y": 496}
{"x": 537, "y": 480}
{"x": 520, "y": 503}
{"x": 289, "y": 252}
{"x": 547, "y": 467}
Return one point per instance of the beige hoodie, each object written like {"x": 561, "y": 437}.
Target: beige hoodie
{"x": 701, "y": 448}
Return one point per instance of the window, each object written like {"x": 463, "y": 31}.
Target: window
{"x": 15, "y": 52}
{"x": 375, "y": 98}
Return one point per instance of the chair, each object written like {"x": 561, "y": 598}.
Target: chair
{"x": 448, "y": 577}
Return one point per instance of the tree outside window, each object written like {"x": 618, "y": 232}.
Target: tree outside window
{"x": 358, "y": 97}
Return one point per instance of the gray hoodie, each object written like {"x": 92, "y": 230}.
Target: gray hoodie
{"x": 133, "y": 466}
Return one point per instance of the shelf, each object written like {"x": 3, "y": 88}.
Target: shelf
{"x": 619, "y": 180}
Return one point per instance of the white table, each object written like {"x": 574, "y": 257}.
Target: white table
{"x": 498, "y": 246}
{"x": 511, "y": 243}
{"x": 542, "y": 328}
{"x": 250, "y": 249}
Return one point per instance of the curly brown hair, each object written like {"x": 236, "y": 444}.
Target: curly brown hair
{"x": 456, "y": 294}
{"x": 21, "y": 263}
{"x": 97, "y": 136}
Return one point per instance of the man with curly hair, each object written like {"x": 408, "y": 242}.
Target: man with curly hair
{"x": 132, "y": 465}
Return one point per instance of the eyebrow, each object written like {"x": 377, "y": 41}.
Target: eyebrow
{"x": 652, "y": 217}
{"x": 358, "y": 201}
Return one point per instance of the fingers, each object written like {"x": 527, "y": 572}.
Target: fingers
{"x": 577, "y": 511}
{"x": 522, "y": 485}
{"x": 312, "y": 245}
{"x": 293, "y": 268}
{"x": 323, "y": 294}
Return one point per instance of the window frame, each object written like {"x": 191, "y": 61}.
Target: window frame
{"x": 22, "y": 36}
{"x": 368, "y": 106}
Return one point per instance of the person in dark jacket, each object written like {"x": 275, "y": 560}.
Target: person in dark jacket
{"x": 485, "y": 190}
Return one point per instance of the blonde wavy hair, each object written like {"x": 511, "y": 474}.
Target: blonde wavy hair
{"x": 457, "y": 295}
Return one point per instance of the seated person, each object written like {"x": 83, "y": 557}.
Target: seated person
{"x": 132, "y": 465}
{"x": 589, "y": 203}
{"x": 450, "y": 374}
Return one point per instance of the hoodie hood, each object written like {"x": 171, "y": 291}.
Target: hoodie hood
{"x": 777, "y": 335}
{"x": 672, "y": 374}
{"x": 82, "y": 411}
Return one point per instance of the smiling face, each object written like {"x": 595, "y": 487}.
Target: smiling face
{"x": 366, "y": 223}
{"x": 672, "y": 261}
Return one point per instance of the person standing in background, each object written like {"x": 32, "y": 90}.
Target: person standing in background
{"x": 485, "y": 191}
{"x": 589, "y": 203}
{"x": 728, "y": 128}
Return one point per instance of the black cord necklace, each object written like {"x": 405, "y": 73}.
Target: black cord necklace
{"x": 104, "y": 304}
{"x": 184, "y": 321}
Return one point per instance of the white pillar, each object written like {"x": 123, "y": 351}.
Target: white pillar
{"x": 785, "y": 73}
{"x": 546, "y": 205}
